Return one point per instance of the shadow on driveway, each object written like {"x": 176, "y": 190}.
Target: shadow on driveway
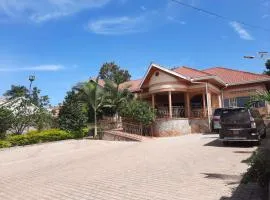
{"x": 218, "y": 143}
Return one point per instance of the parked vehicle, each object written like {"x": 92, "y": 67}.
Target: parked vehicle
{"x": 215, "y": 122}
{"x": 241, "y": 124}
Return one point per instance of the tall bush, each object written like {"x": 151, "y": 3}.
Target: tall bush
{"x": 6, "y": 118}
{"x": 138, "y": 111}
{"x": 72, "y": 115}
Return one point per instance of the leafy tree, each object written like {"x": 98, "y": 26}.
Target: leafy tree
{"x": 24, "y": 114}
{"x": 21, "y": 91}
{"x": 44, "y": 119}
{"x": 138, "y": 111}
{"x": 115, "y": 98}
{"x": 16, "y": 91}
{"x": 6, "y": 118}
{"x": 111, "y": 71}
{"x": 267, "y": 65}
{"x": 92, "y": 95}
{"x": 37, "y": 100}
{"x": 72, "y": 115}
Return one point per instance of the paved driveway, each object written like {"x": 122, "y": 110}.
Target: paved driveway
{"x": 188, "y": 167}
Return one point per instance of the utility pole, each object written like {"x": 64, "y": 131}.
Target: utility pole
{"x": 31, "y": 79}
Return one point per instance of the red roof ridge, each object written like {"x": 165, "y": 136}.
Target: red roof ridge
{"x": 236, "y": 71}
{"x": 201, "y": 71}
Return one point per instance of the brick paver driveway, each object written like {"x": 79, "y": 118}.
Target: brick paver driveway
{"x": 188, "y": 167}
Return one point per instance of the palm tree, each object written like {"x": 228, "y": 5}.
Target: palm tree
{"x": 116, "y": 97}
{"x": 92, "y": 95}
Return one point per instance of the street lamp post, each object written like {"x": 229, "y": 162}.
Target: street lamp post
{"x": 31, "y": 79}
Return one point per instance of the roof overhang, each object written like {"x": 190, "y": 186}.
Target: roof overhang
{"x": 250, "y": 82}
{"x": 153, "y": 65}
{"x": 204, "y": 78}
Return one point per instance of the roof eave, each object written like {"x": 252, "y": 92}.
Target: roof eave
{"x": 163, "y": 69}
{"x": 247, "y": 82}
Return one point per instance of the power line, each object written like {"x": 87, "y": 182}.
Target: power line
{"x": 218, "y": 15}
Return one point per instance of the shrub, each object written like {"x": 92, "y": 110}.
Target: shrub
{"x": 72, "y": 115}
{"x": 6, "y": 118}
{"x": 34, "y": 137}
{"x": 4, "y": 144}
{"x": 138, "y": 111}
{"x": 259, "y": 168}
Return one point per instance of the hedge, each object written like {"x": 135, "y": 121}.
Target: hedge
{"x": 259, "y": 168}
{"x": 35, "y": 137}
{"x": 4, "y": 144}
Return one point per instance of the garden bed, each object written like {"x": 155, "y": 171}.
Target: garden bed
{"x": 35, "y": 137}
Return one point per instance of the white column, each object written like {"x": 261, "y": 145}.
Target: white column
{"x": 219, "y": 101}
{"x": 170, "y": 104}
{"x": 209, "y": 103}
{"x": 204, "y": 105}
{"x": 187, "y": 105}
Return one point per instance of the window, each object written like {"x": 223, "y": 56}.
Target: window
{"x": 242, "y": 102}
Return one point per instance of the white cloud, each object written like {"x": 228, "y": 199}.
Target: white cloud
{"x": 117, "y": 26}
{"x": 173, "y": 19}
{"x": 44, "y": 10}
{"x": 243, "y": 33}
{"x": 53, "y": 68}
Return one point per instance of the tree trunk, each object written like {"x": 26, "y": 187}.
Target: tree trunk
{"x": 95, "y": 118}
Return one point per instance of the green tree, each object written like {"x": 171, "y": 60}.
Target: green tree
{"x": 138, "y": 111}
{"x": 6, "y": 118}
{"x": 111, "y": 71}
{"x": 16, "y": 91}
{"x": 37, "y": 99}
{"x": 267, "y": 65}
{"x": 92, "y": 95}
{"x": 24, "y": 114}
{"x": 21, "y": 91}
{"x": 72, "y": 115}
{"x": 115, "y": 98}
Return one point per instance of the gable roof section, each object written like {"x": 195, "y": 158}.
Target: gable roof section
{"x": 190, "y": 72}
{"x": 153, "y": 65}
{"x": 236, "y": 77}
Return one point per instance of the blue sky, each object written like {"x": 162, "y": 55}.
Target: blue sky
{"x": 63, "y": 42}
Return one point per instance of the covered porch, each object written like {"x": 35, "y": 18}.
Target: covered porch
{"x": 198, "y": 104}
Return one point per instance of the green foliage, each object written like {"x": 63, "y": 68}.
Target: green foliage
{"x": 43, "y": 119}
{"x": 6, "y": 118}
{"x": 115, "y": 98}
{"x": 259, "y": 168}
{"x": 111, "y": 71}
{"x": 90, "y": 94}
{"x": 24, "y": 114}
{"x": 16, "y": 91}
{"x": 4, "y": 144}
{"x": 37, "y": 100}
{"x": 35, "y": 137}
{"x": 21, "y": 91}
{"x": 267, "y": 65}
{"x": 72, "y": 115}
{"x": 138, "y": 111}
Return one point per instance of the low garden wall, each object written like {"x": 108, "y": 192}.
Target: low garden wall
{"x": 177, "y": 127}
{"x": 199, "y": 126}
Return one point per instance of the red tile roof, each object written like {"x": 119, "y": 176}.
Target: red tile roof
{"x": 133, "y": 85}
{"x": 234, "y": 77}
{"x": 190, "y": 72}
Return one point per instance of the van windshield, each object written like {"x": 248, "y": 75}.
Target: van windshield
{"x": 240, "y": 115}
